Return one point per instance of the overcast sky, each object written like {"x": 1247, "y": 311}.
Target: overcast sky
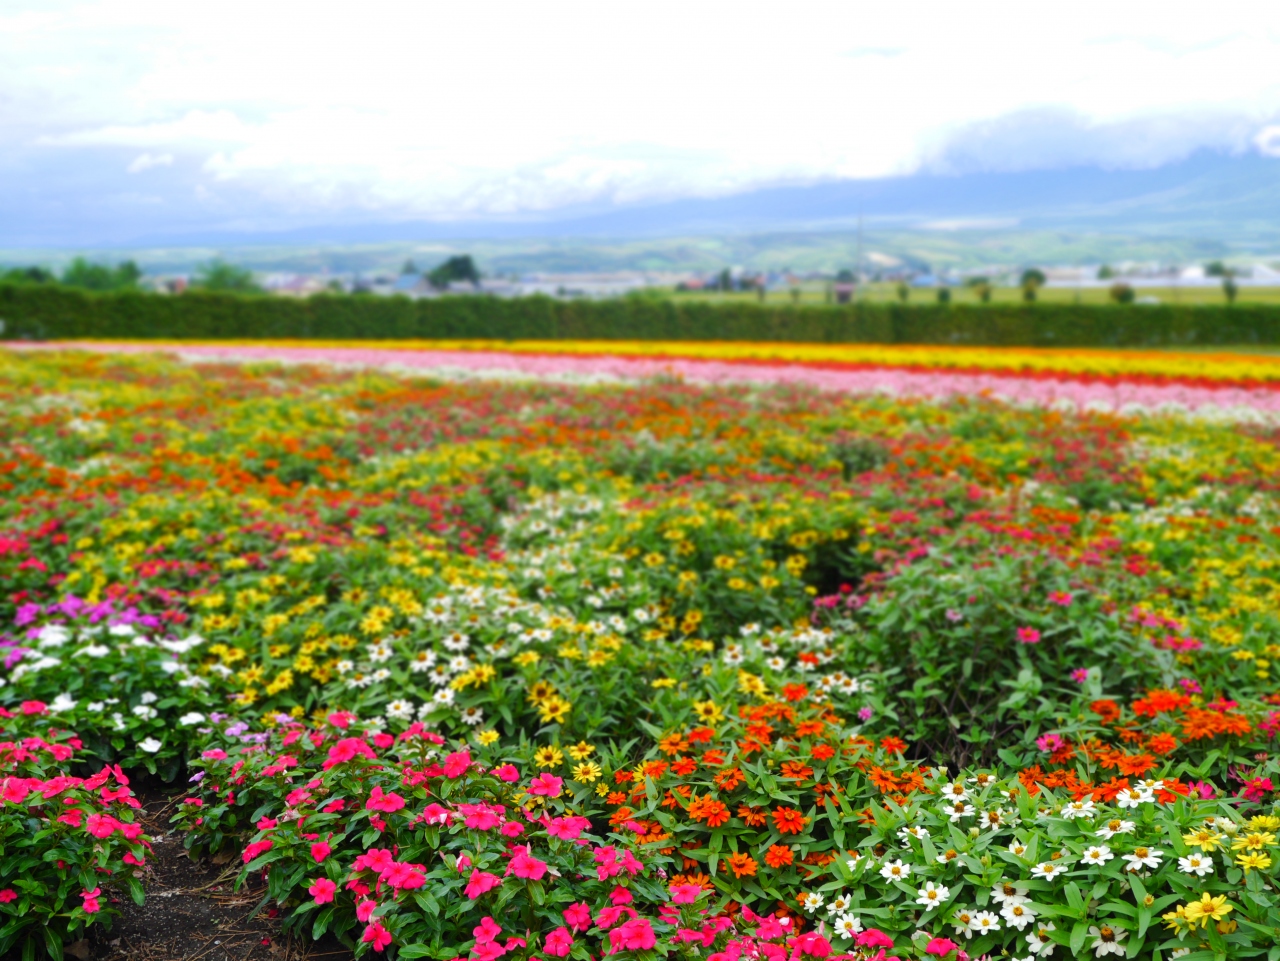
{"x": 249, "y": 111}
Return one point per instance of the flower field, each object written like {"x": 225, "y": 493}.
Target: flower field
{"x": 772, "y": 667}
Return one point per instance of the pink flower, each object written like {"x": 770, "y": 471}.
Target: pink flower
{"x": 874, "y": 938}
{"x": 456, "y": 764}
{"x": 1028, "y": 635}
{"x": 488, "y": 951}
{"x": 568, "y": 828}
{"x": 320, "y": 850}
{"x": 7, "y": 895}
{"x": 217, "y": 754}
{"x": 620, "y": 895}
{"x": 101, "y": 825}
{"x": 1049, "y": 742}
{"x": 376, "y": 935}
{"x": 635, "y": 935}
{"x": 1062, "y": 599}
{"x": 480, "y": 882}
{"x": 91, "y": 905}
{"x": 34, "y": 707}
{"x": 546, "y": 785}
{"x": 578, "y": 916}
{"x": 814, "y": 945}
{"x": 255, "y": 848}
{"x": 365, "y": 909}
{"x": 435, "y": 814}
{"x": 487, "y": 930}
{"x": 1203, "y": 790}
{"x": 1080, "y": 675}
{"x": 557, "y": 943}
{"x": 507, "y": 772}
{"x": 685, "y": 893}
{"x": 512, "y": 829}
{"x": 942, "y": 946}
{"x": 322, "y": 890}
{"x": 524, "y": 865}
{"x": 379, "y": 801}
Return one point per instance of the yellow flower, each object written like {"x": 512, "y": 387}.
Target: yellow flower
{"x": 1205, "y": 838}
{"x": 548, "y": 756}
{"x": 553, "y": 710}
{"x": 602, "y": 789}
{"x": 1207, "y": 909}
{"x": 581, "y": 751}
{"x": 1175, "y": 919}
{"x": 1264, "y": 822}
{"x": 1251, "y": 861}
{"x": 587, "y": 772}
{"x": 1254, "y": 841}
{"x": 487, "y": 737}
{"x": 661, "y": 682}
{"x": 708, "y": 711}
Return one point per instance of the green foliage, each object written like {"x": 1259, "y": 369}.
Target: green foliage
{"x": 81, "y": 273}
{"x": 1121, "y": 293}
{"x": 218, "y": 275}
{"x": 461, "y": 268}
{"x": 53, "y": 312}
{"x": 27, "y": 275}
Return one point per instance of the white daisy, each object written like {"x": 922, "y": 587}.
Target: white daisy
{"x": 1197, "y": 864}
{"x": 1114, "y": 827}
{"x": 1107, "y": 940}
{"x": 1039, "y": 942}
{"x": 932, "y": 895}
{"x": 895, "y": 871}
{"x": 1017, "y": 915}
{"x": 1142, "y": 857}
{"x": 984, "y": 922}
{"x": 1097, "y": 854}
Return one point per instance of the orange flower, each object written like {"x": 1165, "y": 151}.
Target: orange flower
{"x": 623, "y": 777}
{"x": 778, "y": 856}
{"x": 894, "y": 745}
{"x": 742, "y": 864}
{"x": 753, "y": 817}
{"x": 1109, "y": 711}
{"x": 701, "y": 735}
{"x": 710, "y": 810}
{"x": 1136, "y": 765}
{"x": 795, "y": 692}
{"x": 616, "y": 797}
{"x": 1162, "y": 743}
{"x": 684, "y": 766}
{"x": 796, "y": 770}
{"x": 807, "y": 728}
{"x": 713, "y": 758}
{"x": 673, "y": 744}
{"x": 730, "y": 779}
{"x": 822, "y": 752}
{"x": 620, "y": 816}
{"x": 789, "y": 820}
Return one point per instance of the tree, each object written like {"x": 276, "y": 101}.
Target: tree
{"x": 88, "y": 276}
{"x": 1121, "y": 293}
{"x": 221, "y": 276}
{"x": 1033, "y": 279}
{"x": 726, "y": 280}
{"x": 944, "y": 295}
{"x": 1106, "y": 272}
{"x": 459, "y": 268}
{"x": 1229, "y": 288}
{"x": 27, "y": 275}
{"x": 845, "y": 276}
{"x": 983, "y": 290}
{"x": 903, "y": 291}
{"x": 1216, "y": 268}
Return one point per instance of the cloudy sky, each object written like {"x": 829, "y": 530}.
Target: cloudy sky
{"x": 133, "y": 114}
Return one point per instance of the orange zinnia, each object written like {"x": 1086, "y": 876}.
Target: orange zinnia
{"x": 742, "y": 864}
{"x": 753, "y": 817}
{"x": 789, "y": 821}
{"x": 778, "y": 856}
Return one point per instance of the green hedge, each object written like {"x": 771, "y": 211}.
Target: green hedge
{"x": 58, "y": 313}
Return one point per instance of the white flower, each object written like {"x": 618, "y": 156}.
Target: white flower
{"x": 121, "y": 630}
{"x": 191, "y": 717}
{"x": 422, "y": 661}
{"x": 1179, "y": 952}
{"x": 895, "y": 870}
{"x": 1078, "y": 809}
{"x": 344, "y": 666}
{"x": 1197, "y": 864}
{"x": 847, "y": 926}
{"x": 93, "y": 650}
{"x": 94, "y": 707}
{"x": 380, "y": 653}
{"x": 984, "y": 922}
{"x": 1039, "y": 941}
{"x": 932, "y": 895}
{"x": 381, "y": 674}
{"x": 1098, "y": 854}
{"x": 457, "y": 641}
{"x": 853, "y": 862}
{"x": 913, "y": 831}
{"x": 1132, "y": 797}
{"x": 150, "y": 745}
{"x": 957, "y": 810}
{"x": 1010, "y": 892}
{"x": 1048, "y": 869}
{"x": 1106, "y": 940}
{"x": 955, "y": 791}
{"x": 1018, "y": 849}
{"x": 840, "y": 904}
{"x": 443, "y": 696}
{"x": 62, "y": 704}
{"x": 1142, "y": 857}
{"x": 1018, "y": 915}
{"x": 963, "y": 921}
{"x": 144, "y": 711}
{"x": 472, "y": 715}
{"x": 400, "y": 710}
{"x": 811, "y": 901}
{"x": 1114, "y": 827}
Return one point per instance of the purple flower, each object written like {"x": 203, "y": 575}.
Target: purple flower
{"x": 865, "y": 713}
{"x": 1080, "y": 675}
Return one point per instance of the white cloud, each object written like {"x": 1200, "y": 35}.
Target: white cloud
{"x": 499, "y": 107}
{"x": 146, "y": 161}
{"x": 1268, "y": 140}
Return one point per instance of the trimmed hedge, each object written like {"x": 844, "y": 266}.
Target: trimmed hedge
{"x": 59, "y": 313}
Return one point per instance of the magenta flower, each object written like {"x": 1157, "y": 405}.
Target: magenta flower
{"x": 1028, "y": 635}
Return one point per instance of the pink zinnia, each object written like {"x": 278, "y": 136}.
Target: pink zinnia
{"x": 1028, "y": 635}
